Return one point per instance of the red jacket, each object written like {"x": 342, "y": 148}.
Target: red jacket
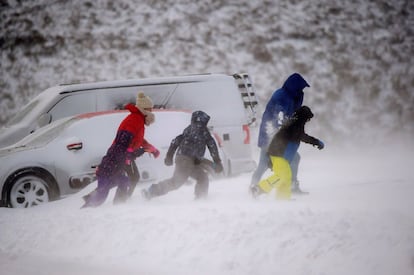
{"x": 134, "y": 123}
{"x": 130, "y": 135}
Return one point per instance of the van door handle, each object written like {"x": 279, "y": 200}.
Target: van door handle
{"x": 74, "y": 146}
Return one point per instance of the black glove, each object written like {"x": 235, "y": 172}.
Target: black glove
{"x": 168, "y": 161}
{"x": 320, "y": 145}
{"x": 218, "y": 167}
{"x": 139, "y": 152}
{"x": 132, "y": 155}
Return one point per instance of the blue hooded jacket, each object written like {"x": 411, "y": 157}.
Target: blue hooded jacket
{"x": 283, "y": 103}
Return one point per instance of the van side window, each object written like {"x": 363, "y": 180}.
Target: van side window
{"x": 73, "y": 105}
{"x": 116, "y": 98}
{"x": 213, "y": 98}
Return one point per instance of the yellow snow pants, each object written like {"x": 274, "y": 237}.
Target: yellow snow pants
{"x": 281, "y": 179}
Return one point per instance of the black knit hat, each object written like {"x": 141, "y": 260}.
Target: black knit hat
{"x": 303, "y": 113}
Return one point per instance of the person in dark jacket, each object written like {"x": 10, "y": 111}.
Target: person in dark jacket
{"x": 282, "y": 150}
{"x": 128, "y": 144}
{"x": 280, "y": 107}
{"x": 190, "y": 147}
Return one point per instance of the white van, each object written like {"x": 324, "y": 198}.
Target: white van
{"x": 230, "y": 100}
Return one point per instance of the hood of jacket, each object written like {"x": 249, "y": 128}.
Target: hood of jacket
{"x": 149, "y": 116}
{"x": 303, "y": 114}
{"x": 132, "y": 108}
{"x": 295, "y": 84}
{"x": 200, "y": 118}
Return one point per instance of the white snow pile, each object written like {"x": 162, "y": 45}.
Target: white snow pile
{"x": 357, "y": 219}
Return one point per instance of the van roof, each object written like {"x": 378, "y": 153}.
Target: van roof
{"x": 69, "y": 88}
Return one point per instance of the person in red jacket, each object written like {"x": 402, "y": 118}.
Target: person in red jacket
{"x": 128, "y": 144}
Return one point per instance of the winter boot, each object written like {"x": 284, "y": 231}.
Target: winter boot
{"x": 200, "y": 197}
{"x": 85, "y": 201}
{"x": 146, "y": 194}
{"x": 86, "y": 198}
{"x": 131, "y": 189}
{"x": 296, "y": 189}
{"x": 121, "y": 196}
{"x": 255, "y": 191}
{"x": 90, "y": 199}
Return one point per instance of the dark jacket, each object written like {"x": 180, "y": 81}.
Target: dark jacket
{"x": 287, "y": 140}
{"x": 194, "y": 140}
{"x": 281, "y": 105}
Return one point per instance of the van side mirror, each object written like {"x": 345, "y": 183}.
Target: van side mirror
{"x": 44, "y": 119}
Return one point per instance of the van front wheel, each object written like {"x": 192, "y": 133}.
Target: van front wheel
{"x": 28, "y": 189}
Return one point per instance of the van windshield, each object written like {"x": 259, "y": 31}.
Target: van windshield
{"x": 45, "y": 134}
{"x": 22, "y": 114}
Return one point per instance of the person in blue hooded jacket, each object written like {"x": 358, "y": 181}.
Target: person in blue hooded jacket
{"x": 282, "y": 149}
{"x": 280, "y": 107}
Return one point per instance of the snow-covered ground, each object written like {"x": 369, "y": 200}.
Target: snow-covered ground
{"x": 357, "y": 219}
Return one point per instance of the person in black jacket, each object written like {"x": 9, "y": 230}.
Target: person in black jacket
{"x": 190, "y": 146}
{"x": 282, "y": 149}
{"x": 281, "y": 106}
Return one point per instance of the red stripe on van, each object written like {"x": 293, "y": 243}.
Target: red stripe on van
{"x": 246, "y": 129}
{"x": 219, "y": 141}
{"x": 93, "y": 114}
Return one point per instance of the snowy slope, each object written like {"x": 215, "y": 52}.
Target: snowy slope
{"x": 358, "y": 219}
{"x": 355, "y": 54}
